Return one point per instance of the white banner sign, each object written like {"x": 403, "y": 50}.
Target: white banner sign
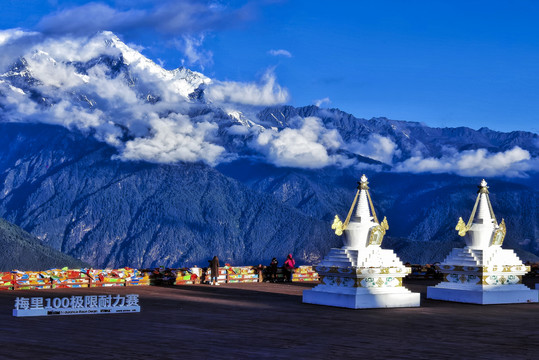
{"x": 76, "y": 305}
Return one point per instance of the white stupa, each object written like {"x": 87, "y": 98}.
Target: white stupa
{"x": 483, "y": 272}
{"x": 361, "y": 274}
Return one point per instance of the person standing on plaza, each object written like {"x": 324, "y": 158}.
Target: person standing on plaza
{"x": 214, "y": 267}
{"x": 273, "y": 269}
{"x": 289, "y": 265}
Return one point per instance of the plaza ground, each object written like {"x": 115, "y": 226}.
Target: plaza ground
{"x": 268, "y": 321}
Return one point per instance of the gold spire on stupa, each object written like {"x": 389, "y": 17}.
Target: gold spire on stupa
{"x": 362, "y": 211}
{"x": 483, "y": 201}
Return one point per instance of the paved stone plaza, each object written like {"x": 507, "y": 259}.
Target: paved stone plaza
{"x": 266, "y": 320}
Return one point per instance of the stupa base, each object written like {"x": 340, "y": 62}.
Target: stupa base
{"x": 400, "y": 298}
{"x": 495, "y": 295}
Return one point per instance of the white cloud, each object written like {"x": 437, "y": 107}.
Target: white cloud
{"x": 123, "y": 104}
{"x": 238, "y": 130}
{"x": 181, "y": 23}
{"x": 304, "y": 147}
{"x": 117, "y": 105}
{"x": 166, "y": 17}
{"x": 510, "y": 163}
{"x": 265, "y": 93}
{"x": 191, "y": 46}
{"x": 13, "y": 42}
{"x": 321, "y": 102}
{"x": 175, "y": 139}
{"x": 10, "y": 35}
{"x": 80, "y": 49}
{"x": 111, "y": 105}
{"x": 51, "y": 73}
{"x": 376, "y": 147}
{"x": 280, "y": 52}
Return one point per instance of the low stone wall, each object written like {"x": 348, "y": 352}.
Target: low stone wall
{"x": 71, "y": 278}
{"x": 83, "y": 278}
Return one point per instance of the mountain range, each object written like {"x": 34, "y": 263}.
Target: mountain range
{"x": 22, "y": 251}
{"x": 108, "y": 157}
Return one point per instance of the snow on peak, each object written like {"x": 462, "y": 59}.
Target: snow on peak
{"x": 181, "y": 80}
{"x": 55, "y": 61}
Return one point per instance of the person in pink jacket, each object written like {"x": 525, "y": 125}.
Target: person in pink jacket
{"x": 289, "y": 265}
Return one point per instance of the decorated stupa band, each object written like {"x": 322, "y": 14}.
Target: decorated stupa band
{"x": 482, "y": 272}
{"x": 361, "y": 274}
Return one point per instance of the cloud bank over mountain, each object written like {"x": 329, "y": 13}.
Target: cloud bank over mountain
{"x": 265, "y": 93}
{"x": 305, "y": 145}
{"x": 101, "y": 86}
{"x": 173, "y": 139}
{"x": 78, "y": 88}
{"x": 510, "y": 163}
{"x": 376, "y": 147}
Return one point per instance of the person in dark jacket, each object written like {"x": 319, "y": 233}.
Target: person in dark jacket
{"x": 273, "y": 269}
{"x": 289, "y": 265}
{"x": 214, "y": 267}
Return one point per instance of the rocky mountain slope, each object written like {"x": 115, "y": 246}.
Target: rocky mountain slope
{"x": 108, "y": 157}
{"x": 422, "y": 209}
{"x": 22, "y": 251}
{"x": 75, "y": 198}
{"x": 66, "y": 188}
{"x": 410, "y": 137}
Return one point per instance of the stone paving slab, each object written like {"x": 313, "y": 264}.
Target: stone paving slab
{"x": 268, "y": 321}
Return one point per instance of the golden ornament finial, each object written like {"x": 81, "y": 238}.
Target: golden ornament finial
{"x": 363, "y": 183}
{"x": 461, "y": 227}
{"x": 384, "y": 224}
{"x": 499, "y": 234}
{"x": 337, "y": 225}
{"x": 483, "y": 188}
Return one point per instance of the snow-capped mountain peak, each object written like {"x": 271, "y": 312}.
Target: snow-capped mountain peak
{"x": 181, "y": 80}
{"x": 52, "y": 63}
{"x": 153, "y": 114}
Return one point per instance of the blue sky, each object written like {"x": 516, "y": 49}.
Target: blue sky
{"x": 444, "y": 63}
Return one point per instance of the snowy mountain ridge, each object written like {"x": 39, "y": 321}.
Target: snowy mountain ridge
{"x": 109, "y": 89}
{"x": 181, "y": 80}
